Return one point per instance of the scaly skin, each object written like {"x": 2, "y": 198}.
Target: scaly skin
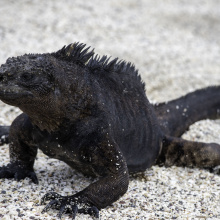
{"x": 94, "y": 115}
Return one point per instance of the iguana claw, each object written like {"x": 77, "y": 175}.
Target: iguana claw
{"x": 68, "y": 204}
{"x": 18, "y": 172}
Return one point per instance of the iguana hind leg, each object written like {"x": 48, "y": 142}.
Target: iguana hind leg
{"x": 180, "y": 152}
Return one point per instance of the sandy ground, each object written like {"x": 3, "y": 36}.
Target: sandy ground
{"x": 175, "y": 46}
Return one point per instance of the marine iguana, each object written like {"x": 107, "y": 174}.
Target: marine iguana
{"x": 92, "y": 113}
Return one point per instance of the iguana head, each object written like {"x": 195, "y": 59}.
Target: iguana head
{"x": 28, "y": 82}
{"x": 23, "y": 79}
{"x": 41, "y": 84}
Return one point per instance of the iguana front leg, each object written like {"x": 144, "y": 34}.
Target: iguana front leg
{"x": 107, "y": 161}
{"x": 22, "y": 153}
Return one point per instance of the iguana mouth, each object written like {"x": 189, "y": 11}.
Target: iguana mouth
{"x": 13, "y": 93}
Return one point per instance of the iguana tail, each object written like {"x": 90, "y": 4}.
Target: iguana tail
{"x": 4, "y": 132}
{"x": 176, "y": 116}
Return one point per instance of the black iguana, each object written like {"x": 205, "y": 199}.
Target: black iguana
{"x": 92, "y": 113}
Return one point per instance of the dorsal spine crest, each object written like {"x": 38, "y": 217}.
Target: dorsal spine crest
{"x": 77, "y": 53}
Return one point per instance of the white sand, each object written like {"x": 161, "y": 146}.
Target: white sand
{"x": 176, "y": 47}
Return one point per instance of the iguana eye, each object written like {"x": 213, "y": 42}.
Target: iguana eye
{"x": 27, "y": 76}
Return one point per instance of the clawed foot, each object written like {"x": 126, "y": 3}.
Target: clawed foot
{"x": 18, "y": 172}
{"x": 72, "y": 204}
